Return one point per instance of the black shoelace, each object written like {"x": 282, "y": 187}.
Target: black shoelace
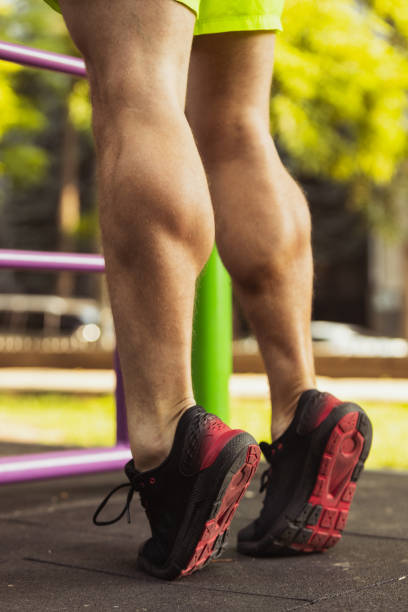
{"x": 125, "y": 509}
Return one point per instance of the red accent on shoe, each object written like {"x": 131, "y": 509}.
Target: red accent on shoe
{"x": 218, "y": 434}
{"x": 330, "y": 403}
{"x": 216, "y": 527}
{"x": 334, "y": 489}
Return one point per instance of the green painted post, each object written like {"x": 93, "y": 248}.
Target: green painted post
{"x": 212, "y": 338}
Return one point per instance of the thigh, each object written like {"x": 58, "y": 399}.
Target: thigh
{"x": 229, "y": 74}
{"x": 132, "y": 45}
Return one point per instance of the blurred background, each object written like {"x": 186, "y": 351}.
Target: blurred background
{"x": 339, "y": 117}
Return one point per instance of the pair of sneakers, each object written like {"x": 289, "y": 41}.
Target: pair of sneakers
{"x": 191, "y": 498}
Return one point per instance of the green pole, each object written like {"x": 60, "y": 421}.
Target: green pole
{"x": 212, "y": 338}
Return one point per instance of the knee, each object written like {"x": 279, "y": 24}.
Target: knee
{"x": 230, "y": 133}
{"x": 124, "y": 106}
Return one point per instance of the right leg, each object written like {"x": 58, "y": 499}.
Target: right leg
{"x": 190, "y": 469}
{"x": 155, "y": 210}
{"x": 262, "y": 218}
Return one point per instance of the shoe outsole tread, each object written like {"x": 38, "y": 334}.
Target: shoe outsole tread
{"x": 213, "y": 537}
{"x": 242, "y": 456}
{"x": 320, "y": 524}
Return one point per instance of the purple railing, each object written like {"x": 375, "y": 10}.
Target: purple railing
{"x": 27, "y": 56}
{"x": 70, "y": 462}
{"x": 62, "y": 463}
{"x": 37, "y": 260}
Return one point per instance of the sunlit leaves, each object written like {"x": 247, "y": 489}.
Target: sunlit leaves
{"x": 339, "y": 105}
{"x": 79, "y": 106}
{"x": 340, "y": 96}
{"x": 26, "y": 163}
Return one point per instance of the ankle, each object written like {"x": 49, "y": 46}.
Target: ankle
{"x": 279, "y": 426}
{"x": 149, "y": 458}
{"x": 151, "y": 439}
{"x": 283, "y": 413}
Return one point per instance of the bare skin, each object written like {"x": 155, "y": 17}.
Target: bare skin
{"x": 262, "y": 218}
{"x": 155, "y": 208}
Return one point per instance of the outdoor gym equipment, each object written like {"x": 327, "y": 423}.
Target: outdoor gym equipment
{"x": 211, "y": 355}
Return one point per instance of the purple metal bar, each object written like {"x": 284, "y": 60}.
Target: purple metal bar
{"x": 36, "y": 260}
{"x": 121, "y": 421}
{"x": 21, "y": 468}
{"x": 27, "y": 56}
{"x": 64, "y": 463}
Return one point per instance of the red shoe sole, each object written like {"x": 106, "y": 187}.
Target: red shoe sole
{"x": 325, "y": 514}
{"x": 215, "y": 530}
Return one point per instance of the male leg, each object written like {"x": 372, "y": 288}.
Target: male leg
{"x": 154, "y": 206}
{"x": 263, "y": 235}
{"x": 158, "y": 230}
{"x": 262, "y": 218}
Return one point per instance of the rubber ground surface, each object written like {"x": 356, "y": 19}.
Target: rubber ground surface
{"x": 53, "y": 559}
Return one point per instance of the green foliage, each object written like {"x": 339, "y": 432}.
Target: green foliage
{"x": 341, "y": 89}
{"x": 90, "y": 421}
{"x": 88, "y": 225}
{"x": 15, "y": 111}
{"x": 339, "y": 106}
{"x": 59, "y": 418}
{"x": 390, "y": 424}
{"x": 26, "y": 163}
{"x": 22, "y": 160}
{"x": 396, "y": 13}
{"x": 79, "y": 106}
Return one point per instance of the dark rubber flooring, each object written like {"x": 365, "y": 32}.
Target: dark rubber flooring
{"x": 53, "y": 558}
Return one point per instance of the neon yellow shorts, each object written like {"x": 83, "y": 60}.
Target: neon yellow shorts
{"x": 214, "y": 16}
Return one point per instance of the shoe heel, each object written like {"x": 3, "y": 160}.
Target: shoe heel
{"x": 215, "y": 531}
{"x": 365, "y": 428}
{"x": 323, "y": 518}
{"x": 340, "y": 458}
{"x": 343, "y": 460}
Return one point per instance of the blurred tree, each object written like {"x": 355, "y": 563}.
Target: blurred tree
{"x": 340, "y": 88}
{"x": 338, "y": 113}
{"x": 24, "y": 160}
{"x": 45, "y": 145}
{"x": 340, "y": 98}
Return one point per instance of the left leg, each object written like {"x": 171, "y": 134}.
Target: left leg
{"x": 263, "y": 234}
{"x": 262, "y": 218}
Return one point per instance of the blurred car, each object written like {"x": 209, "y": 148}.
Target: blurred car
{"x": 331, "y": 338}
{"x": 48, "y": 322}
{"x": 340, "y": 339}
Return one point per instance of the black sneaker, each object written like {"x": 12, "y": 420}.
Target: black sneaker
{"x": 191, "y": 497}
{"x": 312, "y": 477}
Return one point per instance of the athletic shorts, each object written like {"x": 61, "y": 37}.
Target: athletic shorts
{"x": 215, "y": 16}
